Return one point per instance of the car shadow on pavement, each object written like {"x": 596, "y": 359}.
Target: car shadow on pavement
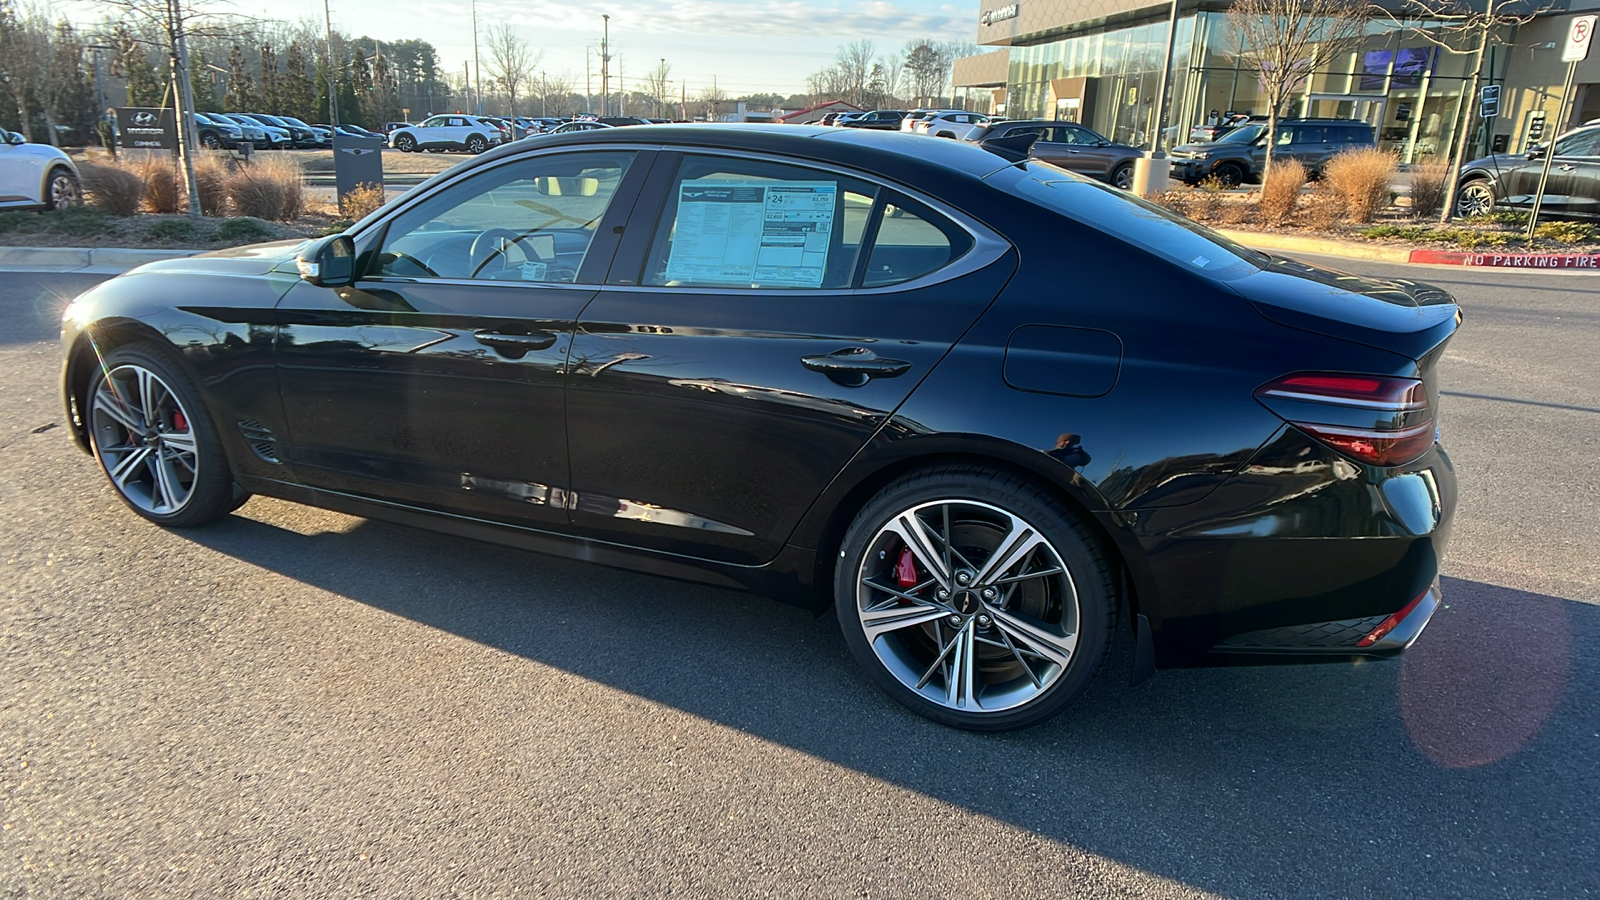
{"x": 1465, "y": 769}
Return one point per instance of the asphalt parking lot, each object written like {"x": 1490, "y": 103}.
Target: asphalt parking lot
{"x": 296, "y": 702}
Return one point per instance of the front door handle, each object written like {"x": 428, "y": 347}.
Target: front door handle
{"x": 1566, "y": 167}
{"x": 516, "y": 344}
{"x": 855, "y": 366}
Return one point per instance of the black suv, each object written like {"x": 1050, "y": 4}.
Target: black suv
{"x": 1239, "y": 155}
{"x": 1512, "y": 179}
{"x": 877, "y": 120}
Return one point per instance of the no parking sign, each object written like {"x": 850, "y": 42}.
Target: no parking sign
{"x": 1578, "y": 38}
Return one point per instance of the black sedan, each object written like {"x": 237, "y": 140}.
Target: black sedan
{"x": 990, "y": 412}
{"x": 1572, "y": 189}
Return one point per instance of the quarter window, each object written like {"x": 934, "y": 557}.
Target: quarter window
{"x": 911, "y": 242}
{"x": 530, "y": 221}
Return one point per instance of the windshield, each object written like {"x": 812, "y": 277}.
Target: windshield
{"x": 1192, "y": 247}
{"x": 1245, "y": 135}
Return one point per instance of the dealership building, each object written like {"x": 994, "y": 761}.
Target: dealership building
{"x": 1100, "y": 62}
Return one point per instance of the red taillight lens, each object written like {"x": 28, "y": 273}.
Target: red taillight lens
{"x": 1379, "y": 420}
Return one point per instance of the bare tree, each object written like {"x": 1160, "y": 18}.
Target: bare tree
{"x": 555, "y": 94}
{"x": 1458, "y": 25}
{"x": 511, "y": 61}
{"x": 854, "y": 65}
{"x": 927, "y": 68}
{"x": 712, "y": 97}
{"x": 1285, "y": 41}
{"x": 659, "y": 88}
{"x": 24, "y": 60}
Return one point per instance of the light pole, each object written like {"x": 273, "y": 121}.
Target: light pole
{"x": 477, "y": 72}
{"x": 605, "y": 67}
{"x": 333, "y": 83}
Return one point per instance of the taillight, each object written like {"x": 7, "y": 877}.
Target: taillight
{"x": 1380, "y": 420}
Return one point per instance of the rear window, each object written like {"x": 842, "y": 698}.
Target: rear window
{"x": 1122, "y": 215}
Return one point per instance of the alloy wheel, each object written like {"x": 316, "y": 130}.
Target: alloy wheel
{"x": 64, "y": 191}
{"x": 1475, "y": 199}
{"x": 145, "y": 440}
{"x": 1123, "y": 177}
{"x": 968, "y": 605}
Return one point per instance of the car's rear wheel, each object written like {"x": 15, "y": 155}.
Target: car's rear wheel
{"x": 62, "y": 190}
{"x": 1122, "y": 176}
{"x": 405, "y": 143}
{"x": 1475, "y": 198}
{"x": 155, "y": 441}
{"x": 1230, "y": 174}
{"x": 476, "y": 143}
{"x": 972, "y": 598}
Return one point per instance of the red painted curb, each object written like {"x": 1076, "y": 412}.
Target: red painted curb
{"x": 1589, "y": 261}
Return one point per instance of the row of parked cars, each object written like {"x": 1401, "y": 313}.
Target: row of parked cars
{"x": 219, "y": 131}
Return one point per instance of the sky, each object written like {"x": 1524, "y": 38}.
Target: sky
{"x": 767, "y": 46}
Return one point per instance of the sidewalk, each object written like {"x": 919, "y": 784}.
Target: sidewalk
{"x": 85, "y": 260}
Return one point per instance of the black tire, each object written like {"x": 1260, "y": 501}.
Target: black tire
{"x": 1122, "y": 176}
{"x": 1230, "y": 174}
{"x": 210, "y": 141}
{"x": 61, "y": 189}
{"x": 209, "y": 492}
{"x": 476, "y": 143}
{"x": 1070, "y": 601}
{"x": 405, "y": 143}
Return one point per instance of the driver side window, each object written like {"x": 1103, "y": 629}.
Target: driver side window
{"x": 529, "y": 221}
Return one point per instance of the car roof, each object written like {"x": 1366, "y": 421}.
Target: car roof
{"x": 910, "y": 158}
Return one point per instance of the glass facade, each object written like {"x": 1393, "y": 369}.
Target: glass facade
{"x": 1408, "y": 88}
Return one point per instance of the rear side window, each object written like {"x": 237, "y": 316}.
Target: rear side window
{"x": 1122, "y": 215}
{"x": 911, "y": 242}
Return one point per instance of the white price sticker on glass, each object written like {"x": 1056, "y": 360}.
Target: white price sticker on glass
{"x": 774, "y": 233}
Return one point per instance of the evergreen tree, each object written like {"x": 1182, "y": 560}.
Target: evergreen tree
{"x": 132, "y": 62}
{"x": 271, "y": 90}
{"x": 202, "y": 84}
{"x": 241, "y": 95}
{"x": 299, "y": 94}
{"x": 72, "y": 102}
{"x": 385, "y": 106}
{"x": 360, "y": 90}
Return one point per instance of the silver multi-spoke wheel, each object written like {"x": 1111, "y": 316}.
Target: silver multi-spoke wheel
{"x": 63, "y": 191}
{"x": 968, "y": 605}
{"x": 1475, "y": 199}
{"x": 145, "y": 439}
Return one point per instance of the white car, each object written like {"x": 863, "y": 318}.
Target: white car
{"x": 955, "y": 125}
{"x": 35, "y": 176}
{"x": 909, "y": 123}
{"x": 446, "y": 133}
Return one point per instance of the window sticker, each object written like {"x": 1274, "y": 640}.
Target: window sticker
{"x": 741, "y": 234}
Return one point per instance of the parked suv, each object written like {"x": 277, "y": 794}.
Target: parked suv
{"x": 1066, "y": 144}
{"x": 1511, "y": 180}
{"x": 1239, "y": 155}
{"x": 877, "y": 120}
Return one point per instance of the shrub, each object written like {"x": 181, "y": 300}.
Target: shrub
{"x": 176, "y": 230}
{"x": 1427, "y": 189}
{"x": 1566, "y": 232}
{"x": 1323, "y": 210}
{"x": 1361, "y": 179}
{"x": 243, "y": 231}
{"x": 1280, "y": 191}
{"x": 111, "y": 188}
{"x": 1210, "y": 200}
{"x": 362, "y": 201}
{"x": 164, "y": 190}
{"x": 211, "y": 180}
{"x": 267, "y": 189}
{"x": 1514, "y": 218}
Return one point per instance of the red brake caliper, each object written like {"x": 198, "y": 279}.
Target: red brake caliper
{"x": 905, "y": 570}
{"x": 179, "y": 423}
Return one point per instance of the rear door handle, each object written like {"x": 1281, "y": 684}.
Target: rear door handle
{"x": 855, "y": 366}
{"x": 517, "y": 344}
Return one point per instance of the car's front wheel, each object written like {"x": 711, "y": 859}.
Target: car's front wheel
{"x": 405, "y": 143}
{"x": 1230, "y": 174}
{"x": 1122, "y": 176}
{"x": 973, "y": 598}
{"x": 1475, "y": 198}
{"x": 155, "y": 441}
{"x": 62, "y": 190}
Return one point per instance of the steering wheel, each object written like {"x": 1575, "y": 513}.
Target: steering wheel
{"x": 494, "y": 242}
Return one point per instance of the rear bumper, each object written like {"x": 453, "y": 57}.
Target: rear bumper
{"x": 1299, "y": 556}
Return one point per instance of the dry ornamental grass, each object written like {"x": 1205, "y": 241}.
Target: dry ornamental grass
{"x": 1427, "y": 189}
{"x": 361, "y": 202}
{"x": 1360, "y": 179}
{"x": 112, "y": 188}
{"x": 164, "y": 190}
{"x": 1280, "y": 191}
{"x": 269, "y": 189}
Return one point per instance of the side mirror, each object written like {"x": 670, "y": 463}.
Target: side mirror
{"x": 15, "y": 138}
{"x": 329, "y": 262}
{"x": 1536, "y": 152}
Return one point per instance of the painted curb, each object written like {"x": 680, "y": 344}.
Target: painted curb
{"x": 1589, "y": 262}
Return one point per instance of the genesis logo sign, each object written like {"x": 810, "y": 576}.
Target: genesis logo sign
{"x": 999, "y": 15}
